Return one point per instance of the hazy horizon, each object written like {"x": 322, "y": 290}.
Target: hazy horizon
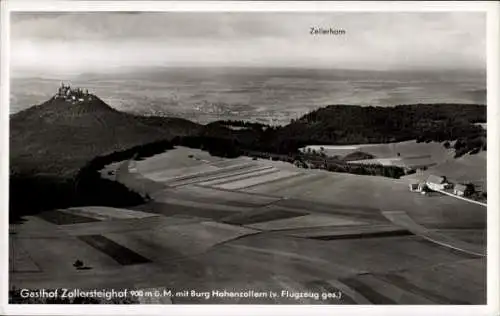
{"x": 101, "y": 42}
{"x": 261, "y": 66}
{"x": 263, "y": 94}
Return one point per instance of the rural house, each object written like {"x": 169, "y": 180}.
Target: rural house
{"x": 463, "y": 190}
{"x": 437, "y": 183}
{"x": 417, "y": 187}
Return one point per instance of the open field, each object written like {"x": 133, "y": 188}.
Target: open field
{"x": 403, "y": 154}
{"x": 259, "y": 225}
{"x": 411, "y": 162}
{"x": 389, "y": 150}
{"x": 105, "y": 213}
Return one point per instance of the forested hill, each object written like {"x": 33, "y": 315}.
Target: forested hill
{"x": 348, "y": 124}
{"x": 57, "y": 138}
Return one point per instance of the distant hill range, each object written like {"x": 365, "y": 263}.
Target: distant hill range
{"x": 349, "y": 124}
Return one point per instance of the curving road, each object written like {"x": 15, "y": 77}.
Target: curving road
{"x": 402, "y": 219}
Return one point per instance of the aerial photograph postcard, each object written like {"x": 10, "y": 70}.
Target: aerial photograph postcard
{"x": 284, "y": 158}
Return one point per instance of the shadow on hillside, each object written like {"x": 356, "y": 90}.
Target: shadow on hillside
{"x": 32, "y": 194}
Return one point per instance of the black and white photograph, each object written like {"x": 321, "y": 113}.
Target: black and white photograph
{"x": 241, "y": 157}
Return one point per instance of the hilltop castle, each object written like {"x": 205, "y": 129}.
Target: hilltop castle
{"x": 75, "y": 95}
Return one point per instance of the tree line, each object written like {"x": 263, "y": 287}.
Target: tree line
{"x": 346, "y": 124}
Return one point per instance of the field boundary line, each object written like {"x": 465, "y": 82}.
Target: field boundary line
{"x": 402, "y": 219}
{"x": 462, "y": 198}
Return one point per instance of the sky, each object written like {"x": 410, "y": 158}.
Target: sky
{"x": 110, "y": 41}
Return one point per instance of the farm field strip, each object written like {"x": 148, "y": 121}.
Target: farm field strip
{"x": 366, "y": 291}
{"x": 122, "y": 255}
{"x": 164, "y": 244}
{"x": 192, "y": 213}
{"x": 241, "y": 176}
{"x": 303, "y": 188}
{"x": 230, "y": 162}
{"x": 136, "y": 182}
{"x": 167, "y": 163}
{"x": 238, "y": 173}
{"x": 398, "y": 294}
{"x": 285, "y": 184}
{"x": 222, "y": 173}
{"x": 19, "y": 259}
{"x": 241, "y": 184}
{"x": 59, "y": 217}
{"x": 428, "y": 292}
{"x": 177, "y": 158}
{"x": 364, "y": 235}
{"x": 57, "y": 255}
{"x": 211, "y": 199}
{"x": 322, "y": 231}
{"x": 223, "y": 195}
{"x": 124, "y": 225}
{"x": 380, "y": 292}
{"x": 359, "y": 213}
{"x": 311, "y": 220}
{"x": 261, "y": 215}
{"x": 448, "y": 279}
{"x": 175, "y": 174}
{"x": 36, "y": 227}
{"x": 201, "y": 205}
{"x": 207, "y": 173}
{"x": 106, "y": 213}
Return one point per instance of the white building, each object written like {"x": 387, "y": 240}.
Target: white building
{"x": 462, "y": 190}
{"x": 437, "y": 183}
{"x": 417, "y": 187}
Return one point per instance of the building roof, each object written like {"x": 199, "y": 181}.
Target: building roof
{"x": 436, "y": 179}
{"x": 460, "y": 187}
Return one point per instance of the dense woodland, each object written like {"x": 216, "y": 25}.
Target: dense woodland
{"x": 347, "y": 124}
{"x": 86, "y": 188}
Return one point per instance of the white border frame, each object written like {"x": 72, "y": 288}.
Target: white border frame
{"x": 492, "y": 9}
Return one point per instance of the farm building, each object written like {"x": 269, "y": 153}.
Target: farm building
{"x": 463, "y": 190}
{"x": 417, "y": 187}
{"x": 437, "y": 183}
